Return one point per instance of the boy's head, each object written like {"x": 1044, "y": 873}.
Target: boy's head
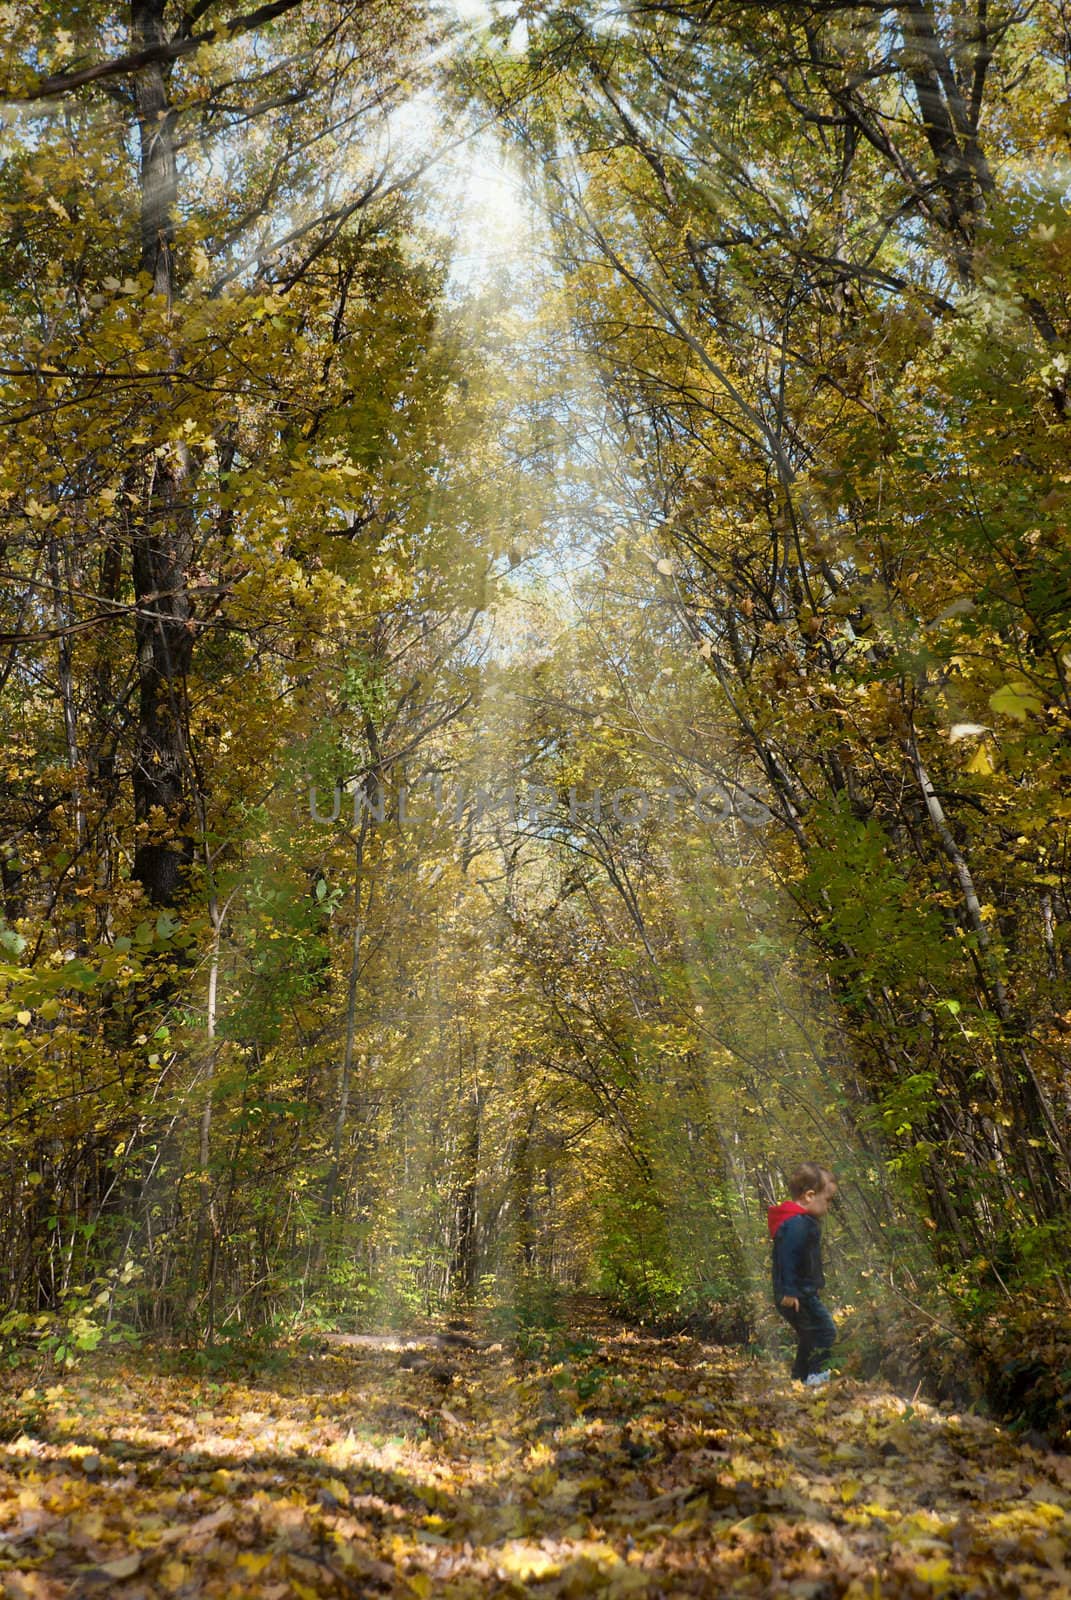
{"x": 812, "y": 1187}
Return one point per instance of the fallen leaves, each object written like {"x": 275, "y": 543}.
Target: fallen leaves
{"x": 623, "y": 1468}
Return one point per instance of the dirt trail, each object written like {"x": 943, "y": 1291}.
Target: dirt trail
{"x": 604, "y": 1465}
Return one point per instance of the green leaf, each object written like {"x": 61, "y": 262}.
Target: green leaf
{"x": 1016, "y": 699}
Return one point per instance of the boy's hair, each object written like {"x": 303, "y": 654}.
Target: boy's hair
{"x": 809, "y": 1175}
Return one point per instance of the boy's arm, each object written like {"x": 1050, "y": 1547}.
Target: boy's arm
{"x": 793, "y": 1250}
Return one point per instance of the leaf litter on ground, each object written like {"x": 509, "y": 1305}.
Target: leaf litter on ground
{"x": 615, "y": 1465}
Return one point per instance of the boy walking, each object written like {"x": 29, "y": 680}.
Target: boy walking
{"x": 796, "y": 1232}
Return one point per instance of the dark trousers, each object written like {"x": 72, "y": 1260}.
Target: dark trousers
{"x": 815, "y": 1333}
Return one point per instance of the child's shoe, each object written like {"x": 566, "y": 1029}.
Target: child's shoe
{"x": 817, "y": 1379}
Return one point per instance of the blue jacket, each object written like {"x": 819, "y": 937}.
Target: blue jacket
{"x": 797, "y": 1254}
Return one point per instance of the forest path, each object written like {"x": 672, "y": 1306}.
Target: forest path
{"x": 603, "y": 1464}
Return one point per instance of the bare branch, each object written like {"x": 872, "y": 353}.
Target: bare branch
{"x": 173, "y": 50}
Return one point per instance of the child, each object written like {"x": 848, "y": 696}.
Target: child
{"x": 797, "y": 1269}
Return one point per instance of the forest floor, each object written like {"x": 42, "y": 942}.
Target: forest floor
{"x": 605, "y": 1463}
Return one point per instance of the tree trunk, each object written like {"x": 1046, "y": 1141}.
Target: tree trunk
{"x": 346, "y": 1071}
{"x": 162, "y": 539}
{"x": 466, "y": 1260}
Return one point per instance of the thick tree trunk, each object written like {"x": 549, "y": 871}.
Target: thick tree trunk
{"x": 162, "y": 541}
{"x": 159, "y": 173}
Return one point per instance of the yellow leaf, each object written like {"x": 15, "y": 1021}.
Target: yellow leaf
{"x": 524, "y": 1561}
{"x": 937, "y": 1572}
{"x": 599, "y": 1553}
{"x": 123, "y": 1566}
{"x": 981, "y": 761}
{"x": 253, "y": 1562}
{"x": 420, "y": 1583}
{"x": 24, "y": 1017}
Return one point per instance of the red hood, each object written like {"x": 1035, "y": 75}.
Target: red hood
{"x": 777, "y": 1214}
